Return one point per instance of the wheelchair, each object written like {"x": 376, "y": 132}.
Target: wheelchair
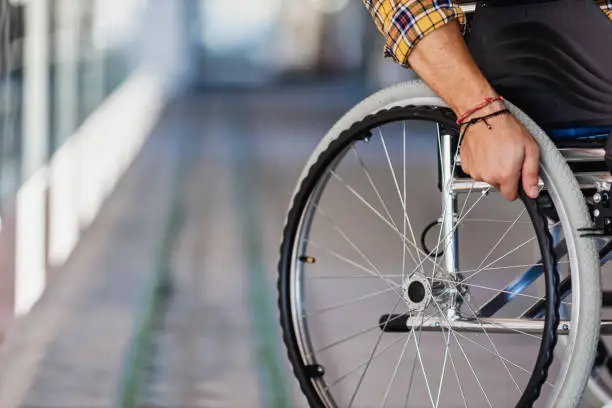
{"x": 404, "y": 283}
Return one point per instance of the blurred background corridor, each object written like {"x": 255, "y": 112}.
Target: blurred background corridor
{"x": 148, "y": 151}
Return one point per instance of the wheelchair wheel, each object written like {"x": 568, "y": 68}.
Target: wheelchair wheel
{"x": 370, "y": 319}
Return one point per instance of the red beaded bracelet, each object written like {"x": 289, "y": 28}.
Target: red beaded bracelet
{"x": 478, "y": 107}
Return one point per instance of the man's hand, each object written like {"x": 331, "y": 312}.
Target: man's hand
{"x": 502, "y": 156}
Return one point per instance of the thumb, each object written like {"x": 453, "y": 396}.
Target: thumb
{"x": 531, "y": 165}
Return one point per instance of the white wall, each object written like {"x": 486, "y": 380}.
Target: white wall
{"x": 85, "y": 169}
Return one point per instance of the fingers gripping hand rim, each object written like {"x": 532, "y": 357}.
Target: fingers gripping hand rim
{"x": 525, "y": 176}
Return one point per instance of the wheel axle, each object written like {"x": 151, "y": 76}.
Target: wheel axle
{"x": 397, "y": 323}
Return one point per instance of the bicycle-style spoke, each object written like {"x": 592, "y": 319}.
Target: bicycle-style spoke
{"x": 473, "y": 285}
{"x": 353, "y": 336}
{"x": 405, "y": 217}
{"x": 371, "y": 274}
{"x": 493, "y": 353}
{"x": 505, "y": 268}
{"x": 373, "y": 185}
{"x": 399, "y": 192}
{"x": 417, "y": 340}
{"x": 510, "y": 252}
{"x": 371, "y": 207}
{"x": 437, "y": 247}
{"x": 501, "y": 238}
{"x": 353, "y": 370}
{"x": 457, "y": 378}
{"x": 454, "y": 333}
{"x": 379, "y": 196}
{"x": 496, "y": 221}
{"x": 389, "y": 223}
{"x": 405, "y": 240}
{"x": 396, "y": 369}
{"x": 356, "y": 248}
{"x": 490, "y": 341}
{"x": 464, "y": 282}
{"x": 371, "y": 358}
{"x": 424, "y": 371}
{"x": 348, "y": 302}
{"x": 420, "y": 252}
{"x": 384, "y": 205}
{"x": 530, "y": 240}
{"x": 357, "y": 265}
{"x": 347, "y": 277}
{"x": 446, "y": 351}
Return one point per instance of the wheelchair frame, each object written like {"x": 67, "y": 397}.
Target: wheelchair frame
{"x": 588, "y": 165}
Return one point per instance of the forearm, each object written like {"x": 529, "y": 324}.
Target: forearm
{"x": 442, "y": 60}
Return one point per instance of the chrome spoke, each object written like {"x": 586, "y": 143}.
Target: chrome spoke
{"x": 414, "y": 362}
{"x": 356, "y": 248}
{"x": 384, "y": 401}
{"x": 492, "y": 353}
{"x": 351, "y": 337}
{"x": 373, "y": 185}
{"x": 490, "y": 341}
{"x": 405, "y": 212}
{"x": 496, "y": 221}
{"x": 499, "y": 241}
{"x": 348, "y": 302}
{"x": 390, "y": 225}
{"x": 458, "y": 381}
{"x": 343, "y": 277}
{"x": 365, "y": 370}
{"x": 418, "y": 351}
{"x": 364, "y": 362}
{"x": 454, "y": 332}
{"x": 501, "y": 257}
{"x": 399, "y": 193}
{"x": 504, "y": 268}
{"x": 349, "y": 261}
{"x": 446, "y": 350}
{"x": 498, "y": 290}
{"x": 507, "y": 253}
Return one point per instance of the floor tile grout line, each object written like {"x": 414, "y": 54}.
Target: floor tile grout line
{"x": 131, "y": 378}
{"x": 275, "y": 392}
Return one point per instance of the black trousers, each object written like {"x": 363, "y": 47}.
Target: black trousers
{"x": 553, "y": 59}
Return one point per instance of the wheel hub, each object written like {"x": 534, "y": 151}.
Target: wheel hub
{"x": 417, "y": 292}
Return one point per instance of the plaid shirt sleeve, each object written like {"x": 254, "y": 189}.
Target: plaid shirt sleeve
{"x": 404, "y": 22}
{"x": 606, "y": 7}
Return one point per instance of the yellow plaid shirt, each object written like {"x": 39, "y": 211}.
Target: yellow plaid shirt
{"x": 405, "y": 22}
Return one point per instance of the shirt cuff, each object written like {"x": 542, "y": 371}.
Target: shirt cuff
{"x": 405, "y": 29}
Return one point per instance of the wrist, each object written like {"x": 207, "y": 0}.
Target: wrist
{"x": 471, "y": 96}
{"x": 484, "y": 107}
{"x": 486, "y": 110}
